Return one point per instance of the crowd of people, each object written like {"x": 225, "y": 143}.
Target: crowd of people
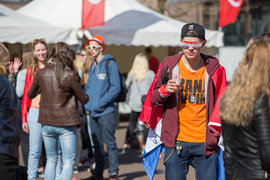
{"x": 55, "y": 109}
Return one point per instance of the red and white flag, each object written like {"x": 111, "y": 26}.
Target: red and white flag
{"x": 228, "y": 11}
{"x": 93, "y": 13}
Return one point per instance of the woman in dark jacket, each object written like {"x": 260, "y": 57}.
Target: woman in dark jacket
{"x": 60, "y": 87}
{"x": 245, "y": 118}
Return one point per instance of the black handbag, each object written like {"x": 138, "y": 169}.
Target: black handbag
{"x": 143, "y": 98}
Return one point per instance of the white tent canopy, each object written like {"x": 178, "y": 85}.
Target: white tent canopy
{"x": 230, "y": 58}
{"x": 18, "y": 28}
{"x": 127, "y": 22}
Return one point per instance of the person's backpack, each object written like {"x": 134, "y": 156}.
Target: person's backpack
{"x": 122, "y": 95}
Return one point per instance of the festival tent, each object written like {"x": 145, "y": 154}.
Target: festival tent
{"x": 127, "y": 22}
{"x": 18, "y": 28}
{"x": 230, "y": 57}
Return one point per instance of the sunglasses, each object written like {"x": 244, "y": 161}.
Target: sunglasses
{"x": 187, "y": 44}
{"x": 93, "y": 47}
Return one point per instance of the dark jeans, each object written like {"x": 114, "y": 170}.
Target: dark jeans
{"x": 25, "y": 147}
{"x": 103, "y": 131}
{"x": 79, "y": 147}
{"x": 10, "y": 169}
{"x": 145, "y": 134}
{"x": 176, "y": 168}
{"x": 244, "y": 178}
{"x": 133, "y": 120}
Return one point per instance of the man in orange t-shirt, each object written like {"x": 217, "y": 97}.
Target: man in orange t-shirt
{"x": 188, "y": 85}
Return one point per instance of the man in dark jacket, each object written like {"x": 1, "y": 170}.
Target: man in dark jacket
{"x": 187, "y": 86}
{"x": 10, "y": 133}
{"x": 10, "y": 123}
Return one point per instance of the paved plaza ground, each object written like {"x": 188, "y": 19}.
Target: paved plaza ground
{"x": 131, "y": 167}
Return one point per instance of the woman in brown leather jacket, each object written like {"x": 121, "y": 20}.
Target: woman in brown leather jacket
{"x": 60, "y": 87}
{"x": 245, "y": 116}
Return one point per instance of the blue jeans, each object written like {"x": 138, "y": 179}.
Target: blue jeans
{"x": 35, "y": 142}
{"x": 176, "y": 168}
{"x": 67, "y": 136}
{"x": 103, "y": 130}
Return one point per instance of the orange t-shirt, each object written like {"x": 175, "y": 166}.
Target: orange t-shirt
{"x": 191, "y": 105}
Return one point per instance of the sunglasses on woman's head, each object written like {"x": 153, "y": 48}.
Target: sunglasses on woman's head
{"x": 93, "y": 47}
{"x": 187, "y": 44}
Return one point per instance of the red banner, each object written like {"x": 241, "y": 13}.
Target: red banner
{"x": 228, "y": 11}
{"x": 93, "y": 13}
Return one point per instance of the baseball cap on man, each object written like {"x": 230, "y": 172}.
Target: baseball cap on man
{"x": 98, "y": 39}
{"x": 199, "y": 29}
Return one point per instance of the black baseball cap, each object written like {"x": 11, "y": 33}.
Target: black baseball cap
{"x": 199, "y": 29}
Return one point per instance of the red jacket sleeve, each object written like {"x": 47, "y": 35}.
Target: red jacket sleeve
{"x": 26, "y": 102}
{"x": 220, "y": 82}
{"x": 150, "y": 114}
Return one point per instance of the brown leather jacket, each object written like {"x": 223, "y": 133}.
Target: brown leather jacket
{"x": 58, "y": 107}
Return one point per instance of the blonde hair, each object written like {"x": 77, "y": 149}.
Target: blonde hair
{"x": 251, "y": 80}
{"x": 27, "y": 58}
{"x": 254, "y": 39}
{"x": 34, "y": 65}
{"x": 140, "y": 67}
{"x": 4, "y": 57}
{"x": 88, "y": 62}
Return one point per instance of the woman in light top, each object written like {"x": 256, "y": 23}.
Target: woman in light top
{"x": 26, "y": 62}
{"x": 138, "y": 81}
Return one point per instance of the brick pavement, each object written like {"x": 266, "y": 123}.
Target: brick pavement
{"x": 130, "y": 163}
